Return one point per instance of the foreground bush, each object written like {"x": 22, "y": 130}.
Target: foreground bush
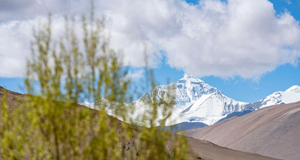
{"x": 51, "y": 124}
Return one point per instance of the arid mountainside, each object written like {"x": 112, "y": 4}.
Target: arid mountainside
{"x": 272, "y": 131}
{"x": 12, "y": 97}
{"x": 209, "y": 151}
{"x": 200, "y": 149}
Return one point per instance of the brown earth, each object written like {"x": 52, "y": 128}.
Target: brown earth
{"x": 200, "y": 149}
{"x": 209, "y": 151}
{"x": 13, "y": 98}
{"x": 272, "y": 131}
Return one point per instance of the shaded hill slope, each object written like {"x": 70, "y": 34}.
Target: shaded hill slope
{"x": 272, "y": 131}
{"x": 209, "y": 151}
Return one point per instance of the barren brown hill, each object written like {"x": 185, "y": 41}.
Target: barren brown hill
{"x": 201, "y": 150}
{"x": 273, "y": 131}
{"x": 209, "y": 151}
{"x": 12, "y": 97}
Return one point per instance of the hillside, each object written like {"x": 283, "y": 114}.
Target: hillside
{"x": 271, "y": 131}
{"x": 200, "y": 149}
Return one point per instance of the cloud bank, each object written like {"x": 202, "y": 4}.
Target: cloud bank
{"x": 234, "y": 38}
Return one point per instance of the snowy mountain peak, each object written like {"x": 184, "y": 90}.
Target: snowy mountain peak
{"x": 189, "y": 82}
{"x": 294, "y": 88}
{"x": 189, "y": 89}
{"x": 197, "y": 101}
{"x": 281, "y": 97}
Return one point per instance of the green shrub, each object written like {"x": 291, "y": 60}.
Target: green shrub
{"x": 49, "y": 123}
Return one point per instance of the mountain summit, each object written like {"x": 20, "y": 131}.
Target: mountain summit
{"x": 197, "y": 101}
{"x": 189, "y": 89}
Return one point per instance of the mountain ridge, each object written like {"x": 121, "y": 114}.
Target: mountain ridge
{"x": 197, "y": 101}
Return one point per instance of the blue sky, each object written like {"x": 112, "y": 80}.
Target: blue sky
{"x": 252, "y": 82}
{"x": 245, "y": 90}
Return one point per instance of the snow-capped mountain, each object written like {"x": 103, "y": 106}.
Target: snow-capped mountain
{"x": 289, "y": 96}
{"x": 190, "y": 89}
{"x": 197, "y": 101}
{"x": 281, "y": 97}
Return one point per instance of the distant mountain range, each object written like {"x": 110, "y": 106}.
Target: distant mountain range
{"x": 197, "y": 101}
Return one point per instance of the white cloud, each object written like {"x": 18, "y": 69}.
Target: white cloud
{"x": 240, "y": 37}
{"x": 15, "y": 44}
{"x": 22, "y": 10}
{"x": 235, "y": 38}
